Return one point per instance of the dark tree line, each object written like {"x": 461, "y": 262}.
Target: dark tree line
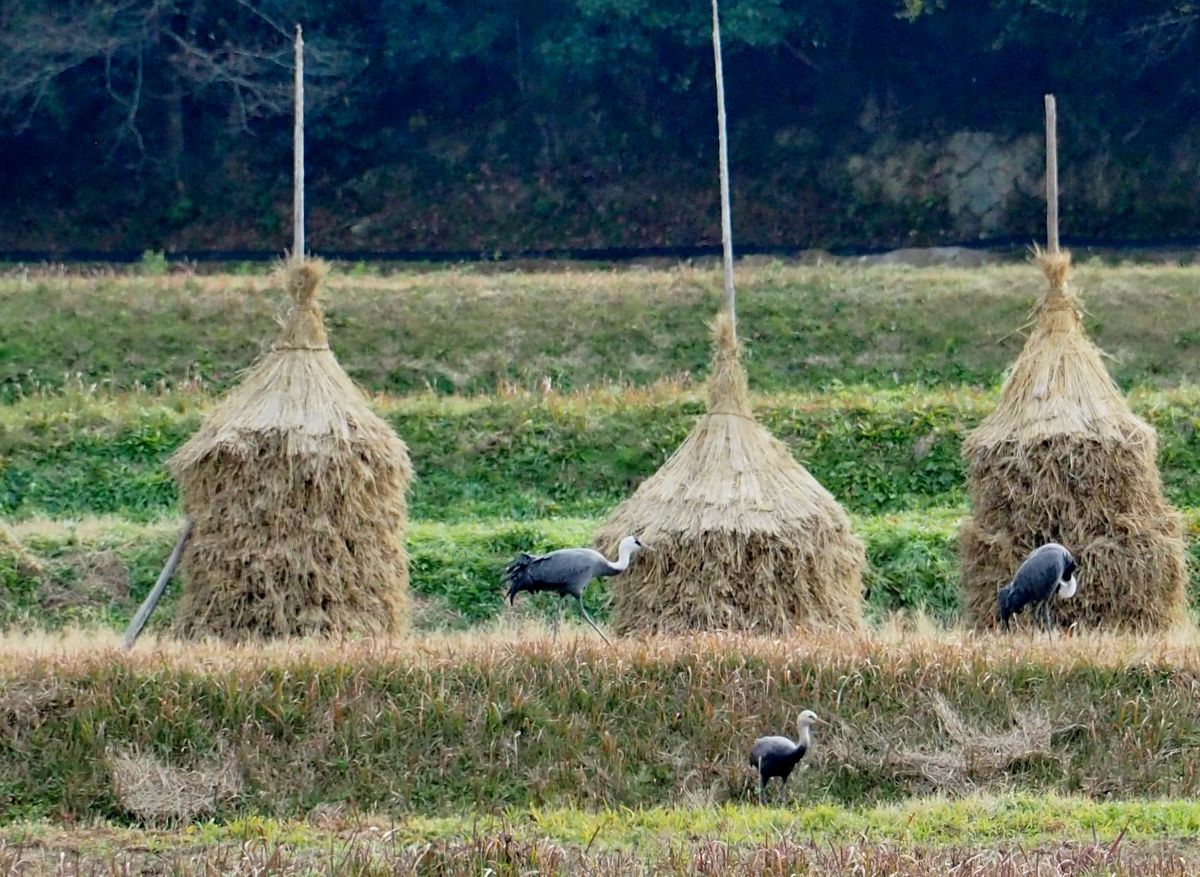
{"x": 532, "y": 123}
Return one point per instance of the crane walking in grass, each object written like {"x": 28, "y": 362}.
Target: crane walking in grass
{"x": 778, "y": 756}
{"x": 566, "y": 572}
{"x": 1047, "y": 573}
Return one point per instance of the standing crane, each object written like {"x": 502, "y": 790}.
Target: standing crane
{"x": 566, "y": 572}
{"x": 1048, "y": 572}
{"x": 778, "y": 756}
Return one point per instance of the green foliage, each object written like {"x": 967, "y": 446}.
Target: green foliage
{"x": 573, "y": 123}
{"x": 803, "y": 327}
{"x": 1014, "y": 834}
{"x": 153, "y": 264}
{"x": 98, "y": 571}
{"x": 878, "y": 451}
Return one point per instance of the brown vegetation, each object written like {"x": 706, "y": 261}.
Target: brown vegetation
{"x": 1064, "y": 459}
{"x": 743, "y": 537}
{"x": 297, "y": 491}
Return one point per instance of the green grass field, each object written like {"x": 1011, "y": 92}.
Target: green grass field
{"x": 532, "y": 403}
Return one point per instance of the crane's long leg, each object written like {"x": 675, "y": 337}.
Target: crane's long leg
{"x": 579, "y": 600}
{"x": 1046, "y": 616}
{"x": 558, "y": 616}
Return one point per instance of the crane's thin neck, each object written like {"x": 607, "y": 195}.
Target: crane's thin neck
{"x": 805, "y": 739}
{"x": 623, "y": 558}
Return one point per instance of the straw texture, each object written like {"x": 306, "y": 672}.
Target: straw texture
{"x": 1062, "y": 458}
{"x": 744, "y": 537}
{"x": 298, "y": 495}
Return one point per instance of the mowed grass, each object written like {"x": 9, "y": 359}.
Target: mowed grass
{"x": 979, "y": 835}
{"x": 441, "y": 725}
{"x": 577, "y": 455}
{"x": 464, "y": 331}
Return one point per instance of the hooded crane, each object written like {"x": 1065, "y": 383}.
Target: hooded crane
{"x": 567, "y": 572}
{"x": 778, "y": 756}
{"x": 1048, "y": 572}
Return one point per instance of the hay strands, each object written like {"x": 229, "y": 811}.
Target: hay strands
{"x": 143, "y": 614}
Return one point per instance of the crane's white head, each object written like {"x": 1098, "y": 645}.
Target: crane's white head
{"x": 808, "y": 718}
{"x": 629, "y": 545}
{"x": 1067, "y": 589}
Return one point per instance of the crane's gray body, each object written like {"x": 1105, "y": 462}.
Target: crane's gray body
{"x": 565, "y": 572}
{"x": 1048, "y": 572}
{"x": 775, "y": 757}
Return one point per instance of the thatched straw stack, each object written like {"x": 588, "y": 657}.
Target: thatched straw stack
{"x": 297, "y": 494}
{"x": 744, "y": 537}
{"x": 1063, "y": 458}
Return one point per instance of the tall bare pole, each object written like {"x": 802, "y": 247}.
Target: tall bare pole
{"x": 1051, "y": 176}
{"x": 298, "y": 155}
{"x": 728, "y": 300}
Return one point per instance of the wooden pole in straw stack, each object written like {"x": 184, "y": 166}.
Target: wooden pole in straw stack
{"x": 744, "y": 537}
{"x": 1051, "y": 177}
{"x": 1085, "y": 466}
{"x": 728, "y": 299}
{"x": 152, "y": 599}
{"x": 298, "y": 154}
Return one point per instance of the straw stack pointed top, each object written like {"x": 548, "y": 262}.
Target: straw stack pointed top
{"x": 728, "y": 389}
{"x": 1058, "y": 384}
{"x": 745, "y": 538}
{"x": 297, "y": 391}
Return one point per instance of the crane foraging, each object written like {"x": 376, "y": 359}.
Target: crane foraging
{"x": 1048, "y": 572}
{"x": 566, "y": 572}
{"x": 778, "y": 756}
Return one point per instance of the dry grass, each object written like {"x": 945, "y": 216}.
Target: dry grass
{"x": 156, "y": 792}
{"x": 974, "y": 756}
{"x": 297, "y": 492}
{"x": 813, "y": 324}
{"x": 509, "y": 719}
{"x": 744, "y": 538}
{"x": 501, "y": 856}
{"x": 907, "y": 636}
{"x": 1064, "y": 459}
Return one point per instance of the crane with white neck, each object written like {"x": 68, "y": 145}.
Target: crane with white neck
{"x": 566, "y": 572}
{"x": 778, "y": 756}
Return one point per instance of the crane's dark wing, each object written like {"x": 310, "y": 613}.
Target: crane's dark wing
{"x": 770, "y": 747}
{"x": 557, "y": 571}
{"x": 1038, "y": 577}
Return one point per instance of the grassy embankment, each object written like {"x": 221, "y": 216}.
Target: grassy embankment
{"x": 1077, "y": 752}
{"x": 464, "y": 331}
{"x": 496, "y": 722}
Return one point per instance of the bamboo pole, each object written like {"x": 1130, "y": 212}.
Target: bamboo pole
{"x": 298, "y": 155}
{"x": 1051, "y": 176}
{"x": 143, "y": 613}
{"x": 728, "y": 299}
